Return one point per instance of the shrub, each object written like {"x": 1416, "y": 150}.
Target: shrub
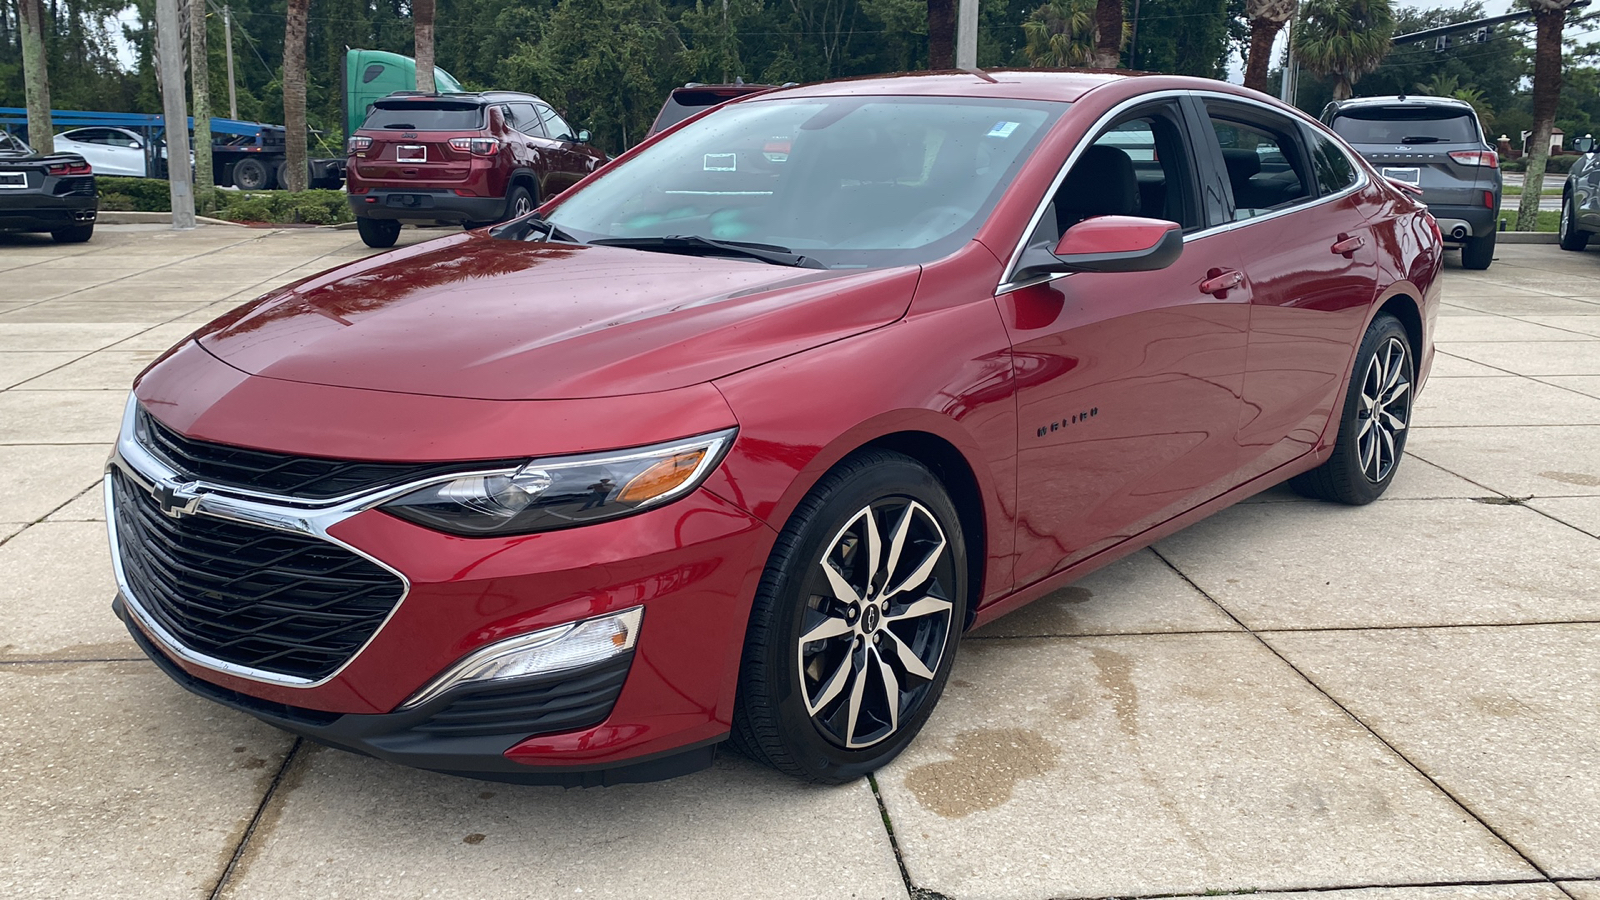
{"x": 269, "y": 207}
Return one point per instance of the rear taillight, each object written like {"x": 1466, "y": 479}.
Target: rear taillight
{"x": 358, "y": 144}
{"x": 475, "y": 146}
{"x": 81, "y": 168}
{"x": 1476, "y": 158}
{"x": 1488, "y": 199}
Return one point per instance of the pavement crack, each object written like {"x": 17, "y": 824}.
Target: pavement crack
{"x": 255, "y": 820}
{"x": 1461, "y": 804}
{"x": 912, "y": 891}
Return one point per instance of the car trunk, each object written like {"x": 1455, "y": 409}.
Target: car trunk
{"x": 411, "y": 142}
{"x": 1413, "y": 144}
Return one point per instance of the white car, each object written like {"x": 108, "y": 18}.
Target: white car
{"x": 111, "y": 151}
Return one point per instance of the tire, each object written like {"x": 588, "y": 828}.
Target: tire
{"x": 795, "y": 698}
{"x": 1366, "y": 456}
{"x": 73, "y": 234}
{"x": 250, "y": 175}
{"x": 1572, "y": 237}
{"x": 379, "y": 233}
{"x": 519, "y": 203}
{"x": 281, "y": 175}
{"x": 1478, "y": 252}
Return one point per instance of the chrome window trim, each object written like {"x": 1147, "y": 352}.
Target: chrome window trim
{"x": 1007, "y": 284}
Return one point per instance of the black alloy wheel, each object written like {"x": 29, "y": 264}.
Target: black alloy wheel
{"x": 1377, "y": 418}
{"x": 856, "y": 622}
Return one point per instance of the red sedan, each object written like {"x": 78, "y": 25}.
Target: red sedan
{"x": 735, "y": 442}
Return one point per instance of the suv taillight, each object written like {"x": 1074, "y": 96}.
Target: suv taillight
{"x": 82, "y": 168}
{"x": 358, "y": 144}
{"x": 475, "y": 146}
{"x": 1476, "y": 158}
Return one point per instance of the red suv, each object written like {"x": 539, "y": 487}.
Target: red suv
{"x": 468, "y": 159}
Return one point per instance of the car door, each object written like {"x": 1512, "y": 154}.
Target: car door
{"x": 1586, "y": 190}
{"x": 1312, "y": 267}
{"x": 533, "y": 150}
{"x": 568, "y": 164}
{"x": 1127, "y": 383}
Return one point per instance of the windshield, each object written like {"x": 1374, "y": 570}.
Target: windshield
{"x": 11, "y": 145}
{"x": 848, "y": 182}
{"x": 423, "y": 115}
{"x": 1407, "y": 125}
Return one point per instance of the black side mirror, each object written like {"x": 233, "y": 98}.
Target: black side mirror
{"x": 1109, "y": 244}
{"x": 1584, "y": 144}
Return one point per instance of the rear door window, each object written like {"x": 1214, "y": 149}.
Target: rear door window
{"x": 1262, "y": 154}
{"x": 1333, "y": 169}
{"x": 1407, "y": 125}
{"x": 425, "y": 116}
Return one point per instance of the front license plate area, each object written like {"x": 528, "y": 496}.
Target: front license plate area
{"x": 1410, "y": 175}
{"x": 413, "y": 153}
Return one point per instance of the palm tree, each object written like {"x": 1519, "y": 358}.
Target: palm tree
{"x": 1108, "y": 34}
{"x": 1266, "y": 18}
{"x": 35, "y": 74}
{"x": 200, "y": 106}
{"x": 422, "y": 22}
{"x": 1439, "y": 85}
{"x": 941, "y": 34}
{"x": 1549, "y": 16}
{"x": 294, "y": 93}
{"x": 1343, "y": 39}
{"x": 1060, "y": 34}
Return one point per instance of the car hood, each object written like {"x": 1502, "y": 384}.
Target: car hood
{"x": 475, "y": 317}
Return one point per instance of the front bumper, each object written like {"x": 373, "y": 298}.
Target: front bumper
{"x": 459, "y": 733}
{"x": 426, "y": 206}
{"x": 36, "y": 211}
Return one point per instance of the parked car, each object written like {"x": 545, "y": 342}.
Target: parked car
{"x": 720, "y": 445}
{"x": 111, "y": 151}
{"x": 693, "y": 97}
{"x": 54, "y": 193}
{"x": 461, "y": 159}
{"x": 1580, "y": 198}
{"x": 1435, "y": 144}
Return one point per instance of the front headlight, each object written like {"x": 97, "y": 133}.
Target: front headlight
{"x": 547, "y": 494}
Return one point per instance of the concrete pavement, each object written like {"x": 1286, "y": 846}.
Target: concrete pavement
{"x": 1398, "y": 702}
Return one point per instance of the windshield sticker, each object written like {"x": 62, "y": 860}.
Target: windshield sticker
{"x": 1003, "y": 129}
{"x": 722, "y": 162}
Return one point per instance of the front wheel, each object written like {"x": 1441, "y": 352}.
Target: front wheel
{"x": 379, "y": 233}
{"x": 856, "y": 622}
{"x": 1376, "y": 420}
{"x": 1478, "y": 252}
{"x": 1572, "y": 237}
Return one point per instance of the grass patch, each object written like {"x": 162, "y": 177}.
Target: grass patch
{"x": 270, "y": 207}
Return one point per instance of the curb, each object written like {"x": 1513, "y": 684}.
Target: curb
{"x": 127, "y": 217}
{"x": 1528, "y": 237}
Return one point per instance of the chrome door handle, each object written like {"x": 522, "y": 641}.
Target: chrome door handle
{"x": 1347, "y": 245}
{"x": 1221, "y": 281}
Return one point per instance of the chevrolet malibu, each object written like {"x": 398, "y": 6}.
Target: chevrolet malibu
{"x": 733, "y": 444}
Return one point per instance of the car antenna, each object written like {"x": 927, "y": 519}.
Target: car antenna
{"x": 982, "y": 74}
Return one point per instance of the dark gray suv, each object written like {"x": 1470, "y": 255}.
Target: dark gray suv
{"x": 1435, "y": 144}
{"x": 1580, "y": 199}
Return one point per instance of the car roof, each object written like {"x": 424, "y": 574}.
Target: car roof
{"x": 1014, "y": 84}
{"x": 1400, "y": 100}
{"x": 466, "y": 96}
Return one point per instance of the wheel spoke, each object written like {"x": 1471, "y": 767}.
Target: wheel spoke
{"x": 908, "y": 660}
{"x": 1367, "y": 449}
{"x": 891, "y": 690}
{"x": 1386, "y": 452}
{"x": 1366, "y": 426}
{"x": 1398, "y": 392}
{"x": 841, "y": 588}
{"x": 1393, "y": 422}
{"x": 897, "y": 540}
{"x": 927, "y": 606}
{"x": 874, "y": 547}
{"x": 831, "y": 626}
{"x": 835, "y": 685}
{"x": 857, "y": 690}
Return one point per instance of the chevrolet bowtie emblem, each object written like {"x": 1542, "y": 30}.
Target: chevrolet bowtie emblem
{"x": 176, "y": 499}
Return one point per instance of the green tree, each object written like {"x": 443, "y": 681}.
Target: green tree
{"x": 1266, "y": 18}
{"x": 294, "y": 93}
{"x": 36, "y": 75}
{"x": 1549, "y": 17}
{"x": 1060, "y": 34}
{"x": 1343, "y": 39}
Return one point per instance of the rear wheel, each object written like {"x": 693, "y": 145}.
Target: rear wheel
{"x": 518, "y": 203}
{"x": 378, "y": 233}
{"x": 1376, "y": 420}
{"x": 1478, "y": 252}
{"x": 856, "y": 622}
{"x": 75, "y": 234}
{"x": 282, "y": 175}
{"x": 1572, "y": 237}
{"x": 250, "y": 175}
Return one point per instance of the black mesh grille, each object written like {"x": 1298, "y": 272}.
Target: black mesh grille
{"x": 575, "y": 702}
{"x": 299, "y": 477}
{"x": 271, "y": 600}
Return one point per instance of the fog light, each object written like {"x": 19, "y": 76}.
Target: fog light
{"x": 547, "y": 651}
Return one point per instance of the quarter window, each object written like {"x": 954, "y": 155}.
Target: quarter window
{"x": 1333, "y": 168}
{"x": 1263, "y": 166}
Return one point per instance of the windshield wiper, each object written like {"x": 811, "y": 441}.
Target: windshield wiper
{"x": 1421, "y": 139}
{"x": 693, "y": 243}
{"x": 552, "y": 232}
